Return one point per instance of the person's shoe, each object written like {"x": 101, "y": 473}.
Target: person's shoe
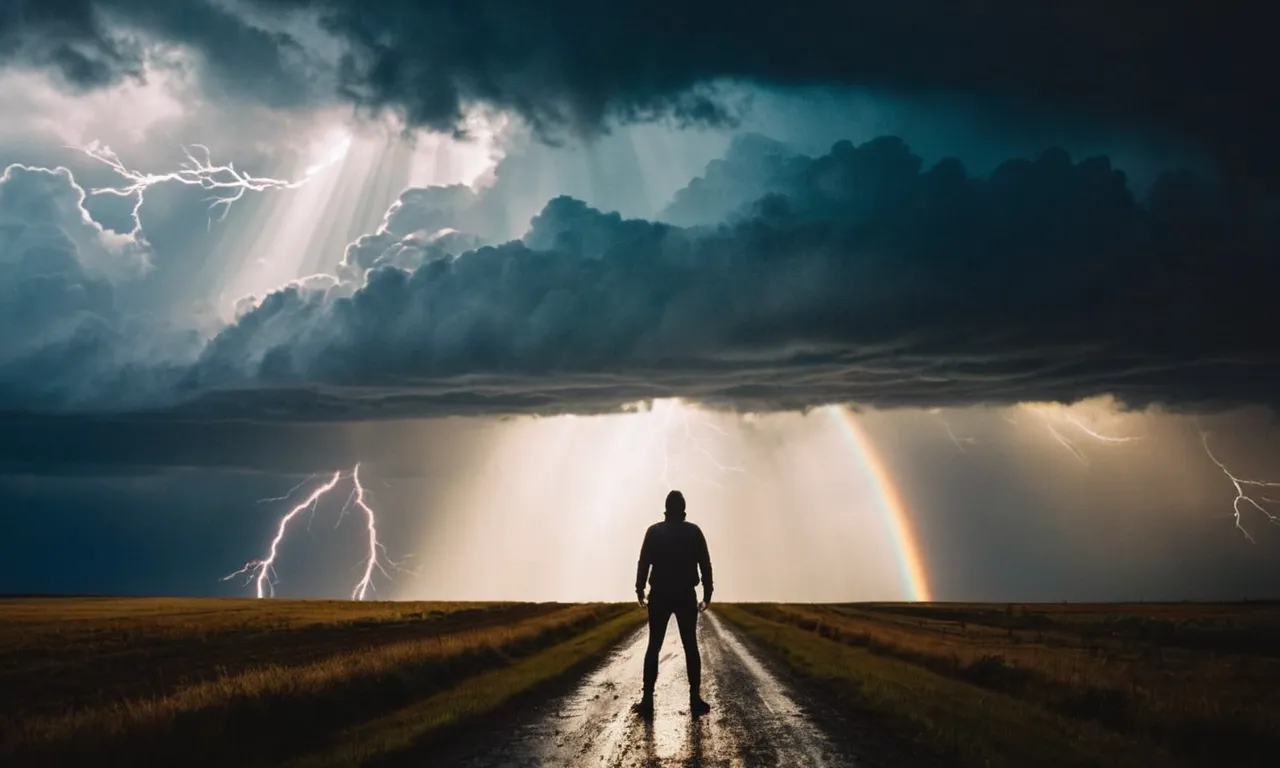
{"x": 698, "y": 707}
{"x": 644, "y": 707}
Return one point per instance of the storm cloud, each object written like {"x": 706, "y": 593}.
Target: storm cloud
{"x": 1186, "y": 70}
{"x": 861, "y": 277}
{"x": 63, "y": 330}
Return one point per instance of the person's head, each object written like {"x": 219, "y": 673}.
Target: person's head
{"x": 675, "y": 505}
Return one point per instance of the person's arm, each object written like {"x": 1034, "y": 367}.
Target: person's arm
{"x": 704, "y": 564}
{"x": 642, "y": 567}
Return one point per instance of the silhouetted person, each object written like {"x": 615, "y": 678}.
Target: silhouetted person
{"x": 676, "y": 550}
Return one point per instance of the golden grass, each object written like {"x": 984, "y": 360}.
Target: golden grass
{"x": 405, "y": 729}
{"x": 363, "y": 664}
{"x": 1199, "y": 681}
{"x": 102, "y": 651}
{"x": 945, "y": 715}
{"x": 27, "y": 622}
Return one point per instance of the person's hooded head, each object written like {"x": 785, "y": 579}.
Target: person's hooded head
{"x": 675, "y": 506}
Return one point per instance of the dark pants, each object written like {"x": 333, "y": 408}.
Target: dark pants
{"x": 685, "y": 606}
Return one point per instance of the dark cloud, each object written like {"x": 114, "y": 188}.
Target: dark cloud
{"x": 753, "y": 166}
{"x": 97, "y": 43}
{"x": 1186, "y": 69}
{"x": 1192, "y": 70}
{"x": 864, "y": 277}
{"x": 67, "y": 342}
{"x": 238, "y": 56}
{"x": 860, "y": 276}
{"x": 68, "y": 36}
{"x": 56, "y": 303}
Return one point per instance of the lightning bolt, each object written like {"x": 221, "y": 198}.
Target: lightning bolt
{"x": 261, "y": 572}
{"x": 685, "y": 429}
{"x": 1070, "y": 445}
{"x": 226, "y": 182}
{"x": 375, "y": 547}
{"x": 1098, "y": 435}
{"x": 956, "y": 440}
{"x": 1064, "y": 442}
{"x": 289, "y": 492}
{"x": 1242, "y": 498}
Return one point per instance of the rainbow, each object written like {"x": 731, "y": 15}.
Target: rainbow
{"x": 910, "y": 563}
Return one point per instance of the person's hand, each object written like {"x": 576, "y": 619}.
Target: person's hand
{"x": 702, "y": 606}
{"x": 640, "y": 597}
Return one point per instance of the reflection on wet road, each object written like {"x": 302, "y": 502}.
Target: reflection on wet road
{"x": 756, "y": 720}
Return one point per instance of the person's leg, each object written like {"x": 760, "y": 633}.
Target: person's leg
{"x": 659, "y": 616}
{"x": 687, "y": 618}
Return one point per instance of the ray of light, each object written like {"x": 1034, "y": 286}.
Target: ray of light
{"x": 290, "y": 237}
{"x": 306, "y": 233}
{"x": 558, "y": 507}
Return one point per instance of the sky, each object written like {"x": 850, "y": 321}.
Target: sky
{"x": 379, "y": 300}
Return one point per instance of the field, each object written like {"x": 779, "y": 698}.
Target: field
{"x": 1012, "y": 685}
{"x": 144, "y": 681}
{"x": 319, "y": 683}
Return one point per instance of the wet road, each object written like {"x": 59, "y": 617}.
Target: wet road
{"x": 756, "y": 720}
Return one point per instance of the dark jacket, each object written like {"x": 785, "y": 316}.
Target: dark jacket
{"x": 676, "y": 550}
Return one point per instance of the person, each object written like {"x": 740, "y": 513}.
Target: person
{"x": 675, "y": 550}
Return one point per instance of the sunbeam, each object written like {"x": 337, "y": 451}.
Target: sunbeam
{"x": 560, "y": 501}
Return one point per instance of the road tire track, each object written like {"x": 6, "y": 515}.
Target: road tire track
{"x": 757, "y": 718}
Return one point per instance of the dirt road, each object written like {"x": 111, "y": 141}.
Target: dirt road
{"x": 756, "y": 720}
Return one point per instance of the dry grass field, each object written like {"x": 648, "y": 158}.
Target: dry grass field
{"x": 107, "y": 681}
{"x": 216, "y": 682}
{"x": 1163, "y": 684}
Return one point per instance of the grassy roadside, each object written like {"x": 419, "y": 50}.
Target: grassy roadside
{"x": 65, "y": 655}
{"x": 396, "y": 737}
{"x": 976, "y": 726}
{"x": 265, "y": 714}
{"x": 1203, "y": 688}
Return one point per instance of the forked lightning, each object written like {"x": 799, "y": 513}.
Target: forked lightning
{"x": 262, "y": 571}
{"x": 1242, "y": 498}
{"x": 699, "y": 444}
{"x": 226, "y": 182}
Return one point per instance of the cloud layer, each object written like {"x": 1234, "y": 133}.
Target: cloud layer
{"x": 1186, "y": 70}
{"x": 862, "y": 276}
{"x": 65, "y": 337}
